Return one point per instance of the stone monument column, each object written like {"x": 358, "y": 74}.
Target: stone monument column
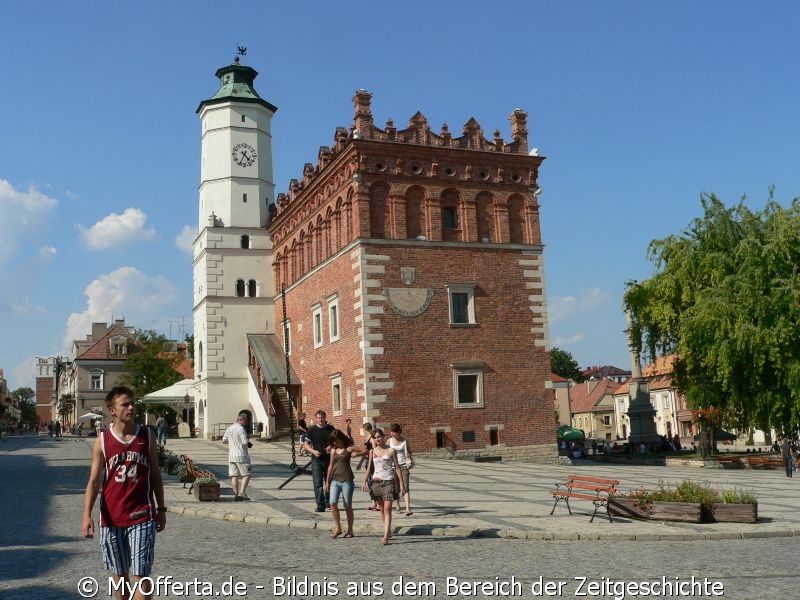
{"x": 640, "y": 410}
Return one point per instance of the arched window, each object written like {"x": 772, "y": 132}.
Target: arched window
{"x": 251, "y": 288}
{"x": 240, "y": 288}
{"x": 245, "y": 240}
{"x": 200, "y": 357}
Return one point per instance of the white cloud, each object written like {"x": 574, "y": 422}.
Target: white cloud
{"x": 184, "y": 241}
{"x": 23, "y": 374}
{"x": 116, "y": 230}
{"x": 568, "y": 341}
{"x": 561, "y": 307}
{"x": 23, "y": 213}
{"x": 125, "y": 293}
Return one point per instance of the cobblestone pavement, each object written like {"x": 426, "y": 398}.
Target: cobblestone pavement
{"x": 43, "y": 556}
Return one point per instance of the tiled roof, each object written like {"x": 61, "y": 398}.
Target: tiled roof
{"x": 583, "y": 397}
{"x": 659, "y": 375}
{"x": 101, "y": 349}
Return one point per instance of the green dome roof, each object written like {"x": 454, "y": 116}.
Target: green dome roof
{"x": 236, "y": 85}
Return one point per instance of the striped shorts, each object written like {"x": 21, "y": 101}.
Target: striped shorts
{"x": 129, "y": 550}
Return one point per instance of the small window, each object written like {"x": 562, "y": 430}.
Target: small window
{"x": 240, "y": 288}
{"x": 316, "y": 317}
{"x": 244, "y": 197}
{"x": 494, "y": 436}
{"x": 468, "y": 389}
{"x": 96, "y": 379}
{"x": 242, "y": 118}
{"x": 462, "y": 304}
{"x": 252, "y": 289}
{"x": 606, "y": 420}
{"x": 441, "y": 439}
{"x": 468, "y": 437}
{"x": 449, "y": 218}
{"x": 333, "y": 320}
{"x": 245, "y": 241}
{"x": 336, "y": 394}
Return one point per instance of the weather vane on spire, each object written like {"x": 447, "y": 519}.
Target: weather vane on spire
{"x": 240, "y": 51}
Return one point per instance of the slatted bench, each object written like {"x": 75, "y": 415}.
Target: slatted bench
{"x": 596, "y": 489}
{"x": 768, "y": 461}
{"x": 730, "y": 462}
{"x": 193, "y": 472}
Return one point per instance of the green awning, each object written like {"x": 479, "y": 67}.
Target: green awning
{"x": 569, "y": 434}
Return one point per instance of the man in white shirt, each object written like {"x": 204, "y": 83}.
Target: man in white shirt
{"x": 238, "y": 457}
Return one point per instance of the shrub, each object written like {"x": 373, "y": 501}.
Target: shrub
{"x": 691, "y": 491}
{"x": 737, "y": 496}
{"x": 206, "y": 478}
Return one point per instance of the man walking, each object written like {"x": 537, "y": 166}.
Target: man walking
{"x": 787, "y": 454}
{"x": 238, "y": 457}
{"x": 161, "y": 430}
{"x": 318, "y": 445}
{"x": 125, "y": 475}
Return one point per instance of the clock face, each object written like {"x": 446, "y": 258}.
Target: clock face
{"x": 244, "y": 155}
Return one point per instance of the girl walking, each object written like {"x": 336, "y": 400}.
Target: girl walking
{"x": 402, "y": 447}
{"x": 384, "y": 460}
{"x": 339, "y": 481}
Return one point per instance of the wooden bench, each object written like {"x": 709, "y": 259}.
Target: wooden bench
{"x": 596, "y": 489}
{"x": 733, "y": 462}
{"x": 765, "y": 461}
{"x": 192, "y": 472}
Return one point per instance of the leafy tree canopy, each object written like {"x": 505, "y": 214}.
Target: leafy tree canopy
{"x": 726, "y": 298}
{"x": 563, "y": 364}
{"x": 151, "y": 361}
{"x": 27, "y": 404}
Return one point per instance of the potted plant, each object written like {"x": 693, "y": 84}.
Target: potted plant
{"x": 735, "y": 506}
{"x": 206, "y": 488}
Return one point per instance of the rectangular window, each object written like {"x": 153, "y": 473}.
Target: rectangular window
{"x": 333, "y": 319}
{"x": 462, "y": 304}
{"x": 244, "y": 197}
{"x": 449, "y": 218}
{"x": 606, "y": 420}
{"x": 119, "y": 348}
{"x": 440, "y": 439}
{"x": 316, "y": 316}
{"x": 336, "y": 394}
{"x": 96, "y": 381}
{"x": 494, "y": 437}
{"x": 468, "y": 389}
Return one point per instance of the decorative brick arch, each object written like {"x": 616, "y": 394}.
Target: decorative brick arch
{"x": 415, "y": 211}
{"x": 484, "y": 217}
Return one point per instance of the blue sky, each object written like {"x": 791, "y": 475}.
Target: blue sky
{"x": 639, "y": 107}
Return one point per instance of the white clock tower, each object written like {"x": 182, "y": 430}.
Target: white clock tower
{"x": 233, "y": 286}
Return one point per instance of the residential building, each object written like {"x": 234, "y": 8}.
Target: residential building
{"x": 606, "y": 372}
{"x": 592, "y": 405}
{"x": 561, "y": 388}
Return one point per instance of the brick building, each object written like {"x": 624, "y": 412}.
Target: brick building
{"x": 414, "y": 285}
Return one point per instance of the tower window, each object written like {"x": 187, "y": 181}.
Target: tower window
{"x": 245, "y": 240}
{"x": 462, "y": 304}
{"x": 251, "y": 288}
{"x": 242, "y": 118}
{"x": 449, "y": 218}
{"x": 244, "y": 197}
{"x": 240, "y": 288}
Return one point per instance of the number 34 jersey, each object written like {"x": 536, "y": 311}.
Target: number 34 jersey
{"x": 126, "y": 498}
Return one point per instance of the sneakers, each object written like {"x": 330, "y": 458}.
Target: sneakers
{"x": 320, "y": 509}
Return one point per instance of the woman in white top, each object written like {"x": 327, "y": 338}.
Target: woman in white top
{"x": 401, "y": 445}
{"x": 384, "y": 461}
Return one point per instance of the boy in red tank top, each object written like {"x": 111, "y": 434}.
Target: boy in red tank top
{"x": 126, "y": 477}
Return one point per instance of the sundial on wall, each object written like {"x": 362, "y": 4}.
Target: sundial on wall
{"x": 408, "y": 302}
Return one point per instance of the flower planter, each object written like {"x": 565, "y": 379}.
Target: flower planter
{"x": 686, "y": 512}
{"x": 734, "y": 513}
{"x": 206, "y": 492}
{"x": 629, "y": 507}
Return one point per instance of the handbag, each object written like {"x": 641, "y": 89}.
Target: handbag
{"x": 410, "y": 463}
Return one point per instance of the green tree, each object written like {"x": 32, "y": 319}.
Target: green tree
{"x": 27, "y": 404}
{"x": 150, "y": 364}
{"x": 563, "y": 364}
{"x": 725, "y": 298}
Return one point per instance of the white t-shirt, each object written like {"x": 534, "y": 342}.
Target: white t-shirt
{"x": 236, "y": 438}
